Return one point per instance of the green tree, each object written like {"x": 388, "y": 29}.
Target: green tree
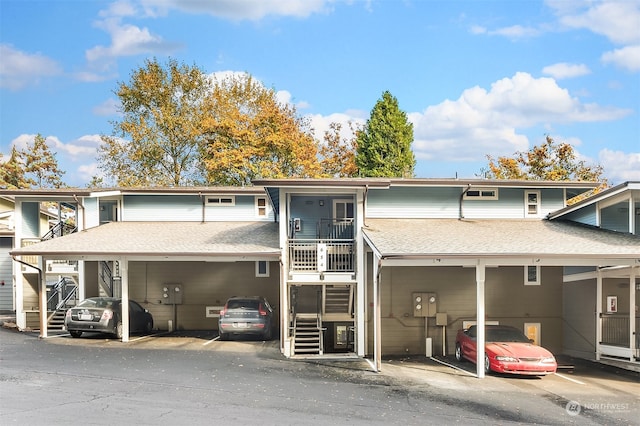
{"x": 12, "y": 172}
{"x": 162, "y": 111}
{"x": 384, "y": 145}
{"x": 338, "y": 153}
{"x": 41, "y": 163}
{"x": 251, "y": 135}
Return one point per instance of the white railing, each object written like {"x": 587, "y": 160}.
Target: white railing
{"x": 303, "y": 255}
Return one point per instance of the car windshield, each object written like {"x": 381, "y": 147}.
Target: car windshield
{"x": 505, "y": 335}
{"x": 96, "y": 303}
{"x": 243, "y": 304}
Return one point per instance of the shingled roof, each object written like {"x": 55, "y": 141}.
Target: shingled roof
{"x": 497, "y": 238}
{"x": 164, "y": 239}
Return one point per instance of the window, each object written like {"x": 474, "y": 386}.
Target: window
{"x": 531, "y": 275}
{"x": 221, "y": 200}
{"x": 532, "y": 203}
{"x": 481, "y": 194}
{"x": 261, "y": 207}
{"x": 342, "y": 209}
{"x": 262, "y": 268}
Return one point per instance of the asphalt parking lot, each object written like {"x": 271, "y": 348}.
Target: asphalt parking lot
{"x": 582, "y": 388}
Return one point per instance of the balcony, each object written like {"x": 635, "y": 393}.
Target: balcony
{"x": 333, "y": 249}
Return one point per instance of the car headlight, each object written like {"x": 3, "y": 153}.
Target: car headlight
{"x": 548, "y": 360}
{"x": 507, "y": 358}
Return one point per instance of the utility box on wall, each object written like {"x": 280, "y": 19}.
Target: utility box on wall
{"x": 424, "y": 304}
{"x": 172, "y": 294}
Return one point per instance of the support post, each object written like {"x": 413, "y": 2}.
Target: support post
{"x": 480, "y": 318}
{"x": 43, "y": 298}
{"x": 124, "y": 282}
{"x": 377, "y": 345}
{"x": 632, "y": 314}
{"x": 598, "y": 312}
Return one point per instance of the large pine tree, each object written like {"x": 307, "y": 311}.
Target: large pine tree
{"x": 384, "y": 145}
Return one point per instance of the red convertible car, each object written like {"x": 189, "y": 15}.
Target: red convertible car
{"x": 506, "y": 350}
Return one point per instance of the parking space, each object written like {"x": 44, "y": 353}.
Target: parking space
{"x": 179, "y": 340}
{"x": 589, "y": 386}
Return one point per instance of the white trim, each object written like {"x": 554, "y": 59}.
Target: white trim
{"x": 536, "y": 281}
{"x": 221, "y": 200}
{"x": 259, "y": 208}
{"x": 264, "y": 274}
{"x": 481, "y": 193}
{"x": 528, "y": 204}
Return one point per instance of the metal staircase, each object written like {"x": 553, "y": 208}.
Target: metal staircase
{"x": 62, "y": 296}
{"x": 307, "y": 334}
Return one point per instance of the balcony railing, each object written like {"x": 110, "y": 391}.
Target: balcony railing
{"x": 615, "y": 330}
{"x": 314, "y": 255}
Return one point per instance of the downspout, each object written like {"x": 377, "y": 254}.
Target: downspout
{"x": 364, "y": 206}
{"x": 460, "y": 211}
{"x": 202, "y": 200}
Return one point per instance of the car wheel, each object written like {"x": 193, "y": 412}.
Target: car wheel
{"x": 459, "y": 356}
{"x": 119, "y": 330}
{"x": 223, "y": 336}
{"x": 148, "y": 328}
{"x": 75, "y": 333}
{"x": 487, "y": 364}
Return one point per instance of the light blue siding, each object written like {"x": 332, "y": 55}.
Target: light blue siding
{"x": 413, "y": 202}
{"x": 6, "y": 274}
{"x": 586, "y": 215}
{"x": 437, "y": 202}
{"x": 189, "y": 208}
{"x": 31, "y": 221}
{"x": 615, "y": 218}
{"x": 91, "y": 212}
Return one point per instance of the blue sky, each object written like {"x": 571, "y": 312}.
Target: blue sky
{"x": 476, "y": 78}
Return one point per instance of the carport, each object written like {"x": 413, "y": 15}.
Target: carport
{"x": 127, "y": 242}
{"x": 483, "y": 244}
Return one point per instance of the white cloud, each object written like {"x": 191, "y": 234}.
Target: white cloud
{"x": 238, "y": 10}
{"x": 627, "y": 57}
{"x": 565, "y": 70}
{"x": 484, "y": 122}
{"x": 617, "y": 20}
{"x": 107, "y": 108}
{"x": 126, "y": 40}
{"x": 320, "y": 123}
{"x": 20, "y": 69}
{"x": 620, "y": 166}
{"x": 516, "y": 31}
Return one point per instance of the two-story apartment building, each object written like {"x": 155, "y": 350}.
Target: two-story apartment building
{"x": 357, "y": 267}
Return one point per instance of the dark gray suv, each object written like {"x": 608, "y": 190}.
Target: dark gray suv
{"x": 250, "y": 315}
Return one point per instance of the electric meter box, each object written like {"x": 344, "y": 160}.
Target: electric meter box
{"x": 425, "y": 304}
{"x": 172, "y": 294}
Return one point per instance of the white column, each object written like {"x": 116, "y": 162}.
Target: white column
{"x": 598, "y": 312}
{"x": 43, "y": 297}
{"x": 480, "y": 314}
{"x": 632, "y": 313}
{"x": 377, "y": 344}
{"x": 283, "y": 222}
{"x": 18, "y": 278}
{"x": 124, "y": 280}
{"x": 360, "y": 278}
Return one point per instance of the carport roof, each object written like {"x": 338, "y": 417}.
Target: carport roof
{"x": 167, "y": 239}
{"x": 446, "y": 238}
